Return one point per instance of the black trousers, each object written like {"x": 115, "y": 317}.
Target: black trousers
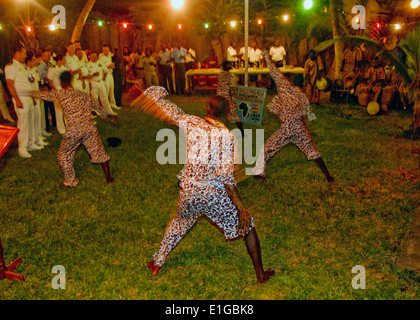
{"x": 165, "y": 78}
{"x": 180, "y": 78}
{"x": 49, "y": 108}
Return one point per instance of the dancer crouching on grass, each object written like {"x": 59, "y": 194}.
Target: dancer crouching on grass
{"x": 81, "y": 129}
{"x": 208, "y": 186}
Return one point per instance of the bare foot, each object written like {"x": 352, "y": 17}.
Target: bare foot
{"x": 110, "y": 180}
{"x": 260, "y": 178}
{"x": 154, "y": 269}
{"x": 330, "y": 180}
{"x": 267, "y": 275}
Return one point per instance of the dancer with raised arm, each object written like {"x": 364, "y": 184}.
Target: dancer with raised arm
{"x": 81, "y": 130}
{"x": 291, "y": 106}
{"x": 208, "y": 185}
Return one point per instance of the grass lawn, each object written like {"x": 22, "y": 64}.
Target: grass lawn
{"x": 311, "y": 234}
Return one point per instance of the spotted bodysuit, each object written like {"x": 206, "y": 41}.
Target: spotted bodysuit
{"x": 81, "y": 130}
{"x": 224, "y": 82}
{"x": 291, "y": 106}
{"x": 209, "y": 166}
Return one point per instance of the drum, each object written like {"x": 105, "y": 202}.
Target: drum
{"x": 388, "y": 96}
{"x": 363, "y": 95}
{"x": 373, "y": 108}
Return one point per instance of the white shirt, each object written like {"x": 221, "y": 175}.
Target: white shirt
{"x": 255, "y": 55}
{"x": 72, "y": 63}
{"x": 17, "y": 72}
{"x": 34, "y": 71}
{"x": 95, "y": 67}
{"x": 190, "y": 55}
{"x": 277, "y": 53}
{"x": 242, "y": 52}
{"x": 54, "y": 75}
{"x": 106, "y": 62}
{"x": 231, "y": 53}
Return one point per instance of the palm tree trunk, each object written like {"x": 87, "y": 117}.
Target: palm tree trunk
{"x": 416, "y": 116}
{"x": 77, "y": 31}
{"x": 337, "y": 46}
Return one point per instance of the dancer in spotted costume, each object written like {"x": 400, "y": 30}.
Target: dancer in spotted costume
{"x": 80, "y": 129}
{"x": 208, "y": 186}
{"x": 224, "y": 81}
{"x": 291, "y": 106}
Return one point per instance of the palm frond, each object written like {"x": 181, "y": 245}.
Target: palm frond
{"x": 373, "y": 46}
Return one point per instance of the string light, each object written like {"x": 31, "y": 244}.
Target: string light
{"x": 206, "y": 25}
{"x": 259, "y": 21}
{"x": 285, "y": 17}
{"x": 415, "y": 4}
{"x": 233, "y": 24}
{"x": 397, "y": 26}
{"x": 150, "y": 27}
{"x": 100, "y": 23}
{"x": 51, "y": 27}
{"x": 28, "y": 29}
{"x": 179, "y": 26}
{"x": 308, "y": 4}
{"x": 125, "y": 25}
{"x": 177, "y": 4}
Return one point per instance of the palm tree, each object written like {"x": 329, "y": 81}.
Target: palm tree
{"x": 409, "y": 71}
{"x": 77, "y": 31}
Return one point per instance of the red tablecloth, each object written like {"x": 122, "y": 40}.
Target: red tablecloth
{"x": 7, "y": 135}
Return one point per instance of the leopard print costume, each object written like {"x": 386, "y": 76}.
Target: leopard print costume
{"x": 224, "y": 82}
{"x": 291, "y": 106}
{"x": 209, "y": 166}
{"x": 80, "y": 130}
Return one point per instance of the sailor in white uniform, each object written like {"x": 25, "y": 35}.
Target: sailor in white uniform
{"x": 32, "y": 68}
{"x": 105, "y": 58}
{"x": 19, "y": 85}
{"x": 55, "y": 84}
{"x": 98, "y": 91}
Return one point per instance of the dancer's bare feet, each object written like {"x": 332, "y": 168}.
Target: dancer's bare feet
{"x": 259, "y": 178}
{"x": 110, "y": 180}
{"x": 267, "y": 275}
{"x": 154, "y": 269}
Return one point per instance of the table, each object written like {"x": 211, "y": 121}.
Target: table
{"x": 216, "y": 71}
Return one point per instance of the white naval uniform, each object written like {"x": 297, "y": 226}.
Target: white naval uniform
{"x": 109, "y": 80}
{"x": 37, "y": 127}
{"x": 98, "y": 90}
{"x": 17, "y": 72}
{"x": 232, "y": 54}
{"x": 54, "y": 76}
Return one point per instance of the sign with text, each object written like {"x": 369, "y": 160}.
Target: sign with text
{"x": 249, "y": 103}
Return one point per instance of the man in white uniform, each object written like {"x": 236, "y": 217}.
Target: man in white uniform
{"x": 255, "y": 55}
{"x": 277, "y": 54}
{"x": 79, "y": 82}
{"x": 105, "y": 58}
{"x": 35, "y": 78}
{"x": 72, "y": 61}
{"x": 17, "y": 79}
{"x": 232, "y": 54}
{"x": 55, "y": 84}
{"x": 98, "y": 91}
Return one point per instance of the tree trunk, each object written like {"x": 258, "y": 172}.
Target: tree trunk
{"x": 77, "y": 31}
{"x": 416, "y": 116}
{"x": 338, "y": 50}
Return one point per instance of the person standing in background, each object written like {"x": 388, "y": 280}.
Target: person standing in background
{"x": 47, "y": 107}
{"x": 178, "y": 56}
{"x": 34, "y": 78}
{"x": 232, "y": 55}
{"x": 148, "y": 63}
{"x": 278, "y": 54}
{"x": 118, "y": 77}
{"x": 19, "y": 85}
{"x": 165, "y": 69}
{"x": 105, "y": 59}
{"x": 3, "y": 105}
{"x": 55, "y": 84}
{"x": 190, "y": 58}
